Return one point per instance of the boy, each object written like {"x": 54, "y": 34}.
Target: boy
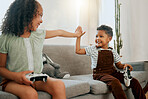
{"x": 103, "y": 58}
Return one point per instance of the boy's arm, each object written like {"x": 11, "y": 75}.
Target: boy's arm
{"x": 78, "y": 49}
{"x": 62, "y": 33}
{"x": 119, "y": 65}
{"x": 123, "y": 66}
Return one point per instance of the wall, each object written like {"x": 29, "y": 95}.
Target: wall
{"x": 106, "y": 16}
{"x": 134, "y": 24}
{"x": 59, "y": 14}
{"x": 4, "y": 4}
{"x": 67, "y": 15}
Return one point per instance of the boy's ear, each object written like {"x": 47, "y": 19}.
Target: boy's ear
{"x": 110, "y": 38}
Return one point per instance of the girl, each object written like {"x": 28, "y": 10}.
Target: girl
{"x": 21, "y": 46}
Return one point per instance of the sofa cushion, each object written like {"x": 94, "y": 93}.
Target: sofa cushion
{"x": 96, "y": 87}
{"x": 76, "y": 87}
{"x": 139, "y": 75}
{"x": 99, "y": 87}
{"x": 43, "y": 95}
{"x": 6, "y": 95}
{"x": 73, "y": 88}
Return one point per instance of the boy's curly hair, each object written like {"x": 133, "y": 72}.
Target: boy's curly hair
{"x": 19, "y": 15}
{"x": 108, "y": 30}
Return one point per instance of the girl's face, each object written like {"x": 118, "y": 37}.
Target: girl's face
{"x": 102, "y": 39}
{"x": 37, "y": 20}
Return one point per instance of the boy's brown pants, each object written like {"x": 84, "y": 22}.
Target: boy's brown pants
{"x": 106, "y": 72}
{"x": 114, "y": 84}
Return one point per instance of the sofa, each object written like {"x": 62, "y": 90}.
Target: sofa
{"x": 81, "y": 85}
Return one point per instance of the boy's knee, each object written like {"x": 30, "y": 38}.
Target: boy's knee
{"x": 134, "y": 82}
{"x": 115, "y": 83}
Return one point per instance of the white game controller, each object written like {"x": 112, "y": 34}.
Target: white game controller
{"x": 127, "y": 76}
{"x": 37, "y": 77}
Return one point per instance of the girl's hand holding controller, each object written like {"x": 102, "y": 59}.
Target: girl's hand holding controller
{"x": 127, "y": 65}
{"x": 21, "y": 78}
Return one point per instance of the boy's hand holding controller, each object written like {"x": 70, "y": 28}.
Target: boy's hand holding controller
{"x": 127, "y": 65}
{"x": 127, "y": 76}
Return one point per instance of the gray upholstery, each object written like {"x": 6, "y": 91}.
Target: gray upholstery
{"x": 96, "y": 85}
{"x": 69, "y": 61}
{"x": 75, "y": 88}
{"x": 81, "y": 84}
{"x": 136, "y": 65}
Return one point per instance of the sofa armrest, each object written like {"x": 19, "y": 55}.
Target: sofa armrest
{"x": 139, "y": 66}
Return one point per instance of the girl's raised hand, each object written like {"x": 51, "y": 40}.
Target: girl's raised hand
{"x": 79, "y": 31}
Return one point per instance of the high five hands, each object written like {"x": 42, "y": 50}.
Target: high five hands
{"x": 79, "y": 31}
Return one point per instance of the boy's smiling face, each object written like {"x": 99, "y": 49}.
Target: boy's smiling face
{"x": 102, "y": 39}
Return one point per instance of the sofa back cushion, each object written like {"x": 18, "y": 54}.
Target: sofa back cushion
{"x": 65, "y": 56}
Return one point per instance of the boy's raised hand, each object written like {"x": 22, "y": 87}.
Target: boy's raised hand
{"x": 79, "y": 31}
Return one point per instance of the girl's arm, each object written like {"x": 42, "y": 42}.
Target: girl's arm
{"x": 62, "y": 33}
{"x": 18, "y": 77}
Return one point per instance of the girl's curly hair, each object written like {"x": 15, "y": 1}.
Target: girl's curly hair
{"x": 18, "y": 17}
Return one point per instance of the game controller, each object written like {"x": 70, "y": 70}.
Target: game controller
{"x": 127, "y": 76}
{"x": 36, "y": 77}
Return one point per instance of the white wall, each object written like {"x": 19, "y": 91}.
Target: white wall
{"x": 4, "y": 5}
{"x": 107, "y": 16}
{"x": 139, "y": 31}
{"x": 125, "y": 29}
{"x": 134, "y": 25}
{"x": 59, "y": 14}
{"x": 67, "y": 15}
